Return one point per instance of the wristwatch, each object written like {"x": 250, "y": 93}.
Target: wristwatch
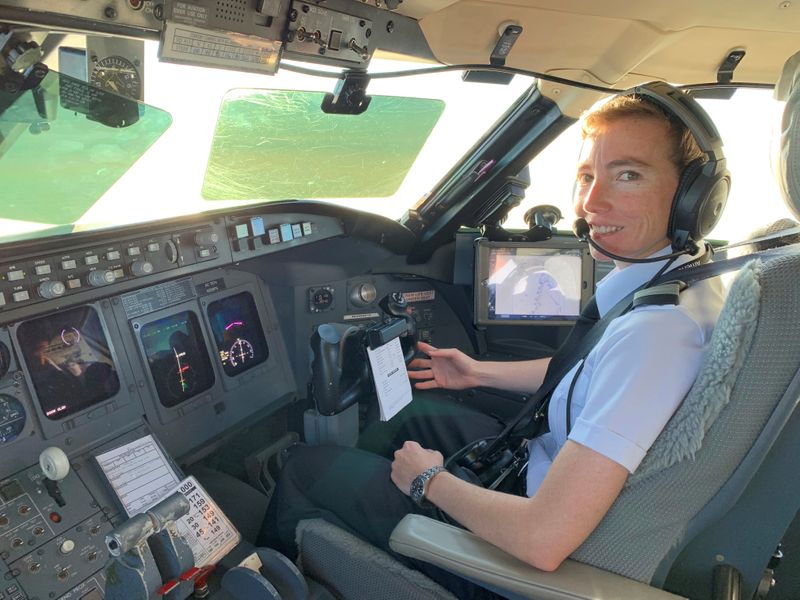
{"x": 420, "y": 484}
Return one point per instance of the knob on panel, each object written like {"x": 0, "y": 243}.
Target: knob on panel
{"x": 141, "y": 267}
{"x": 363, "y": 294}
{"x": 51, "y": 289}
{"x": 101, "y": 278}
{"x": 54, "y": 463}
{"x": 171, "y": 251}
{"x": 206, "y": 238}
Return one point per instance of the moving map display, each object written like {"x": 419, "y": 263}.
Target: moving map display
{"x": 530, "y": 283}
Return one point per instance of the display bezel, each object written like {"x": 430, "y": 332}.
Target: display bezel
{"x": 28, "y": 358}
{"x": 483, "y": 251}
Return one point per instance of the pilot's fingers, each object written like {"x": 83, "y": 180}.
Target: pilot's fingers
{"x": 428, "y": 384}
{"x": 424, "y": 347}
{"x": 420, "y": 363}
{"x": 423, "y": 374}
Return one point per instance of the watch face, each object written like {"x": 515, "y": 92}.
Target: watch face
{"x": 418, "y": 490}
{"x": 117, "y": 74}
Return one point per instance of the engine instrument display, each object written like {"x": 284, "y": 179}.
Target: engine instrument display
{"x": 178, "y": 357}
{"x": 12, "y": 418}
{"x": 237, "y": 333}
{"x": 69, "y": 359}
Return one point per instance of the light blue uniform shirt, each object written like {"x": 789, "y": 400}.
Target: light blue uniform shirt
{"x": 636, "y": 375}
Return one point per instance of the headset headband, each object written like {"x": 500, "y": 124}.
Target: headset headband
{"x": 688, "y": 111}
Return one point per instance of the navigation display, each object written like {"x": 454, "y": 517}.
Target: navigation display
{"x": 531, "y": 283}
{"x": 237, "y": 333}
{"x": 69, "y": 360}
{"x": 178, "y": 357}
{"x": 534, "y": 283}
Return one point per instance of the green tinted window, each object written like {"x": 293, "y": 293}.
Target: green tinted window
{"x": 64, "y": 144}
{"x": 277, "y": 145}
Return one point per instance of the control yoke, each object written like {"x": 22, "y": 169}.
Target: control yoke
{"x": 339, "y": 365}
{"x": 339, "y": 373}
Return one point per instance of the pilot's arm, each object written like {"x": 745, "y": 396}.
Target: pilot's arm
{"x": 452, "y": 369}
{"x": 543, "y": 530}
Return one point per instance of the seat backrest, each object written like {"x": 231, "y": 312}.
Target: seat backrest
{"x": 715, "y": 443}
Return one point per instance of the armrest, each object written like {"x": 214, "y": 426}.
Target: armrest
{"x": 465, "y": 554}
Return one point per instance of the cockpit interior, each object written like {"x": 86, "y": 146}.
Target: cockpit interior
{"x": 212, "y": 211}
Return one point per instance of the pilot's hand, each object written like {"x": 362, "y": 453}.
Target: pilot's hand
{"x": 446, "y": 368}
{"x": 410, "y": 461}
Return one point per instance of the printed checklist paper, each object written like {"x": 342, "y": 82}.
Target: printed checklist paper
{"x": 391, "y": 378}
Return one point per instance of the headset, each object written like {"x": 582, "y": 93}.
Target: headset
{"x": 704, "y": 183}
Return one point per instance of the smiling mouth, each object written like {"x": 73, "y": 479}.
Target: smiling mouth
{"x": 605, "y": 229}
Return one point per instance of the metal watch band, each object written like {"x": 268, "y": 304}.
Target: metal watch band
{"x": 420, "y": 483}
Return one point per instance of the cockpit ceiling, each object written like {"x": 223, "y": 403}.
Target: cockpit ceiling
{"x": 682, "y": 41}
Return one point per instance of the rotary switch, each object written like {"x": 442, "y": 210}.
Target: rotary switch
{"x": 51, "y": 289}
{"x": 206, "y": 238}
{"x": 141, "y": 267}
{"x": 101, "y": 278}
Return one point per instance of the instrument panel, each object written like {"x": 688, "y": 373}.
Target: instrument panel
{"x": 197, "y": 350}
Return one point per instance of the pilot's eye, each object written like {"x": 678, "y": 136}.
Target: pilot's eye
{"x": 584, "y": 179}
{"x": 628, "y": 176}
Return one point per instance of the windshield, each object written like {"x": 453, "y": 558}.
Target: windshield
{"x": 748, "y": 124}
{"x": 237, "y": 138}
{"x": 278, "y": 144}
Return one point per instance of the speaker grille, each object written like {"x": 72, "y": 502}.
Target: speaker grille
{"x": 231, "y": 10}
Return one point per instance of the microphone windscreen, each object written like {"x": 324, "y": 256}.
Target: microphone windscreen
{"x": 581, "y": 228}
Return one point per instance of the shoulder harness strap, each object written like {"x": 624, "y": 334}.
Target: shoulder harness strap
{"x": 659, "y": 295}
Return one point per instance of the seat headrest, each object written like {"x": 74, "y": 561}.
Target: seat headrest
{"x": 788, "y": 160}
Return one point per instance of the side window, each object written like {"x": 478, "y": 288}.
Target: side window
{"x": 552, "y": 180}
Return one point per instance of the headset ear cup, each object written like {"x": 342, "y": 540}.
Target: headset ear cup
{"x": 710, "y": 211}
{"x": 678, "y": 227}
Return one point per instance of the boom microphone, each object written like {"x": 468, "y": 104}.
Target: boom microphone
{"x": 581, "y": 229}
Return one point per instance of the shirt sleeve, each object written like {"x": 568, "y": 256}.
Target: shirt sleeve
{"x": 642, "y": 369}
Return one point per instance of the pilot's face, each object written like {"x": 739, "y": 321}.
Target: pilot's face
{"x": 626, "y": 181}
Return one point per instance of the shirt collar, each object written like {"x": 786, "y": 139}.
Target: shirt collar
{"x": 621, "y": 282}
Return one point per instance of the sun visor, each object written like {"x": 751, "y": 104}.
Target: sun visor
{"x": 788, "y": 160}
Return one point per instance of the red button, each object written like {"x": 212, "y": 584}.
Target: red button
{"x": 55, "y": 517}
